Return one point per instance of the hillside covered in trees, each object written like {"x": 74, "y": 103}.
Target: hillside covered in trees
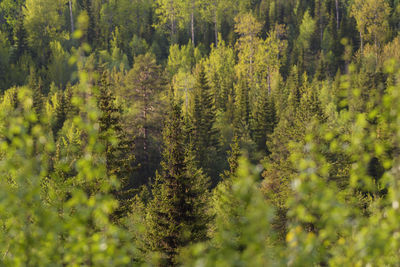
{"x": 199, "y": 133}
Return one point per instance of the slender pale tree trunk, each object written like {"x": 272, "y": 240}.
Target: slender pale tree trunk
{"x": 321, "y": 22}
{"x": 145, "y": 130}
{"x": 251, "y": 59}
{"x": 173, "y": 31}
{"x": 192, "y": 21}
{"x": 192, "y": 27}
{"x": 71, "y": 16}
{"x": 215, "y": 24}
{"x": 173, "y": 22}
{"x": 186, "y": 96}
{"x": 376, "y": 48}
{"x": 362, "y": 43}
{"x": 269, "y": 81}
{"x": 216, "y": 30}
{"x": 337, "y": 14}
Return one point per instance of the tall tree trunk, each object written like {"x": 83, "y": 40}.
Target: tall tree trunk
{"x": 215, "y": 23}
{"x": 376, "y": 48}
{"x": 361, "y": 43}
{"x": 321, "y": 22}
{"x": 71, "y": 16}
{"x": 173, "y": 31}
{"x": 216, "y": 28}
{"x": 186, "y": 97}
{"x": 192, "y": 21}
{"x": 173, "y": 22}
{"x": 269, "y": 81}
{"x": 337, "y": 14}
{"x": 145, "y": 152}
{"x": 192, "y": 27}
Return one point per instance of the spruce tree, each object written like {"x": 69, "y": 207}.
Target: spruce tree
{"x": 233, "y": 158}
{"x": 176, "y": 216}
{"x": 202, "y": 119}
{"x": 242, "y": 105}
{"x": 35, "y": 83}
{"x": 61, "y": 111}
{"x": 303, "y": 107}
{"x": 118, "y": 145}
{"x": 263, "y": 121}
{"x": 242, "y": 229}
{"x": 20, "y": 39}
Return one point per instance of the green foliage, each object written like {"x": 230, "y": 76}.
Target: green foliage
{"x": 263, "y": 121}
{"x": 219, "y": 68}
{"x": 119, "y": 147}
{"x": 143, "y": 92}
{"x": 307, "y": 29}
{"x": 203, "y": 134}
{"x": 241, "y": 235}
{"x": 248, "y": 28}
{"x": 40, "y": 224}
{"x": 176, "y": 216}
{"x": 44, "y": 24}
{"x": 331, "y": 225}
{"x": 4, "y": 60}
{"x": 371, "y": 17}
{"x": 233, "y": 158}
{"x": 96, "y": 169}
{"x": 169, "y": 14}
{"x": 59, "y": 70}
{"x": 182, "y": 58}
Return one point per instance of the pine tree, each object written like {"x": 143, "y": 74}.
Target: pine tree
{"x": 176, "y": 216}
{"x": 145, "y": 82}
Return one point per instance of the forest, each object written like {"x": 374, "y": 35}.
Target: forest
{"x": 199, "y": 133}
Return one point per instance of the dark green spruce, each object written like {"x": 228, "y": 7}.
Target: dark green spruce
{"x": 176, "y": 216}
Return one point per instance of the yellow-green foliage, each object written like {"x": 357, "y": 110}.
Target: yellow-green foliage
{"x": 45, "y": 222}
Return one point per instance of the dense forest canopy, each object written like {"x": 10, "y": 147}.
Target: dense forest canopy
{"x": 199, "y": 132}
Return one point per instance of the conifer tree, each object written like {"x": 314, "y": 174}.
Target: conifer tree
{"x": 242, "y": 225}
{"x": 20, "y": 39}
{"x": 118, "y": 145}
{"x": 60, "y": 112}
{"x": 263, "y": 121}
{"x": 203, "y": 133}
{"x": 303, "y": 106}
{"x": 233, "y": 157}
{"x": 144, "y": 84}
{"x": 176, "y": 216}
{"x": 220, "y": 72}
{"x": 91, "y": 9}
{"x": 36, "y": 84}
{"x": 242, "y": 105}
